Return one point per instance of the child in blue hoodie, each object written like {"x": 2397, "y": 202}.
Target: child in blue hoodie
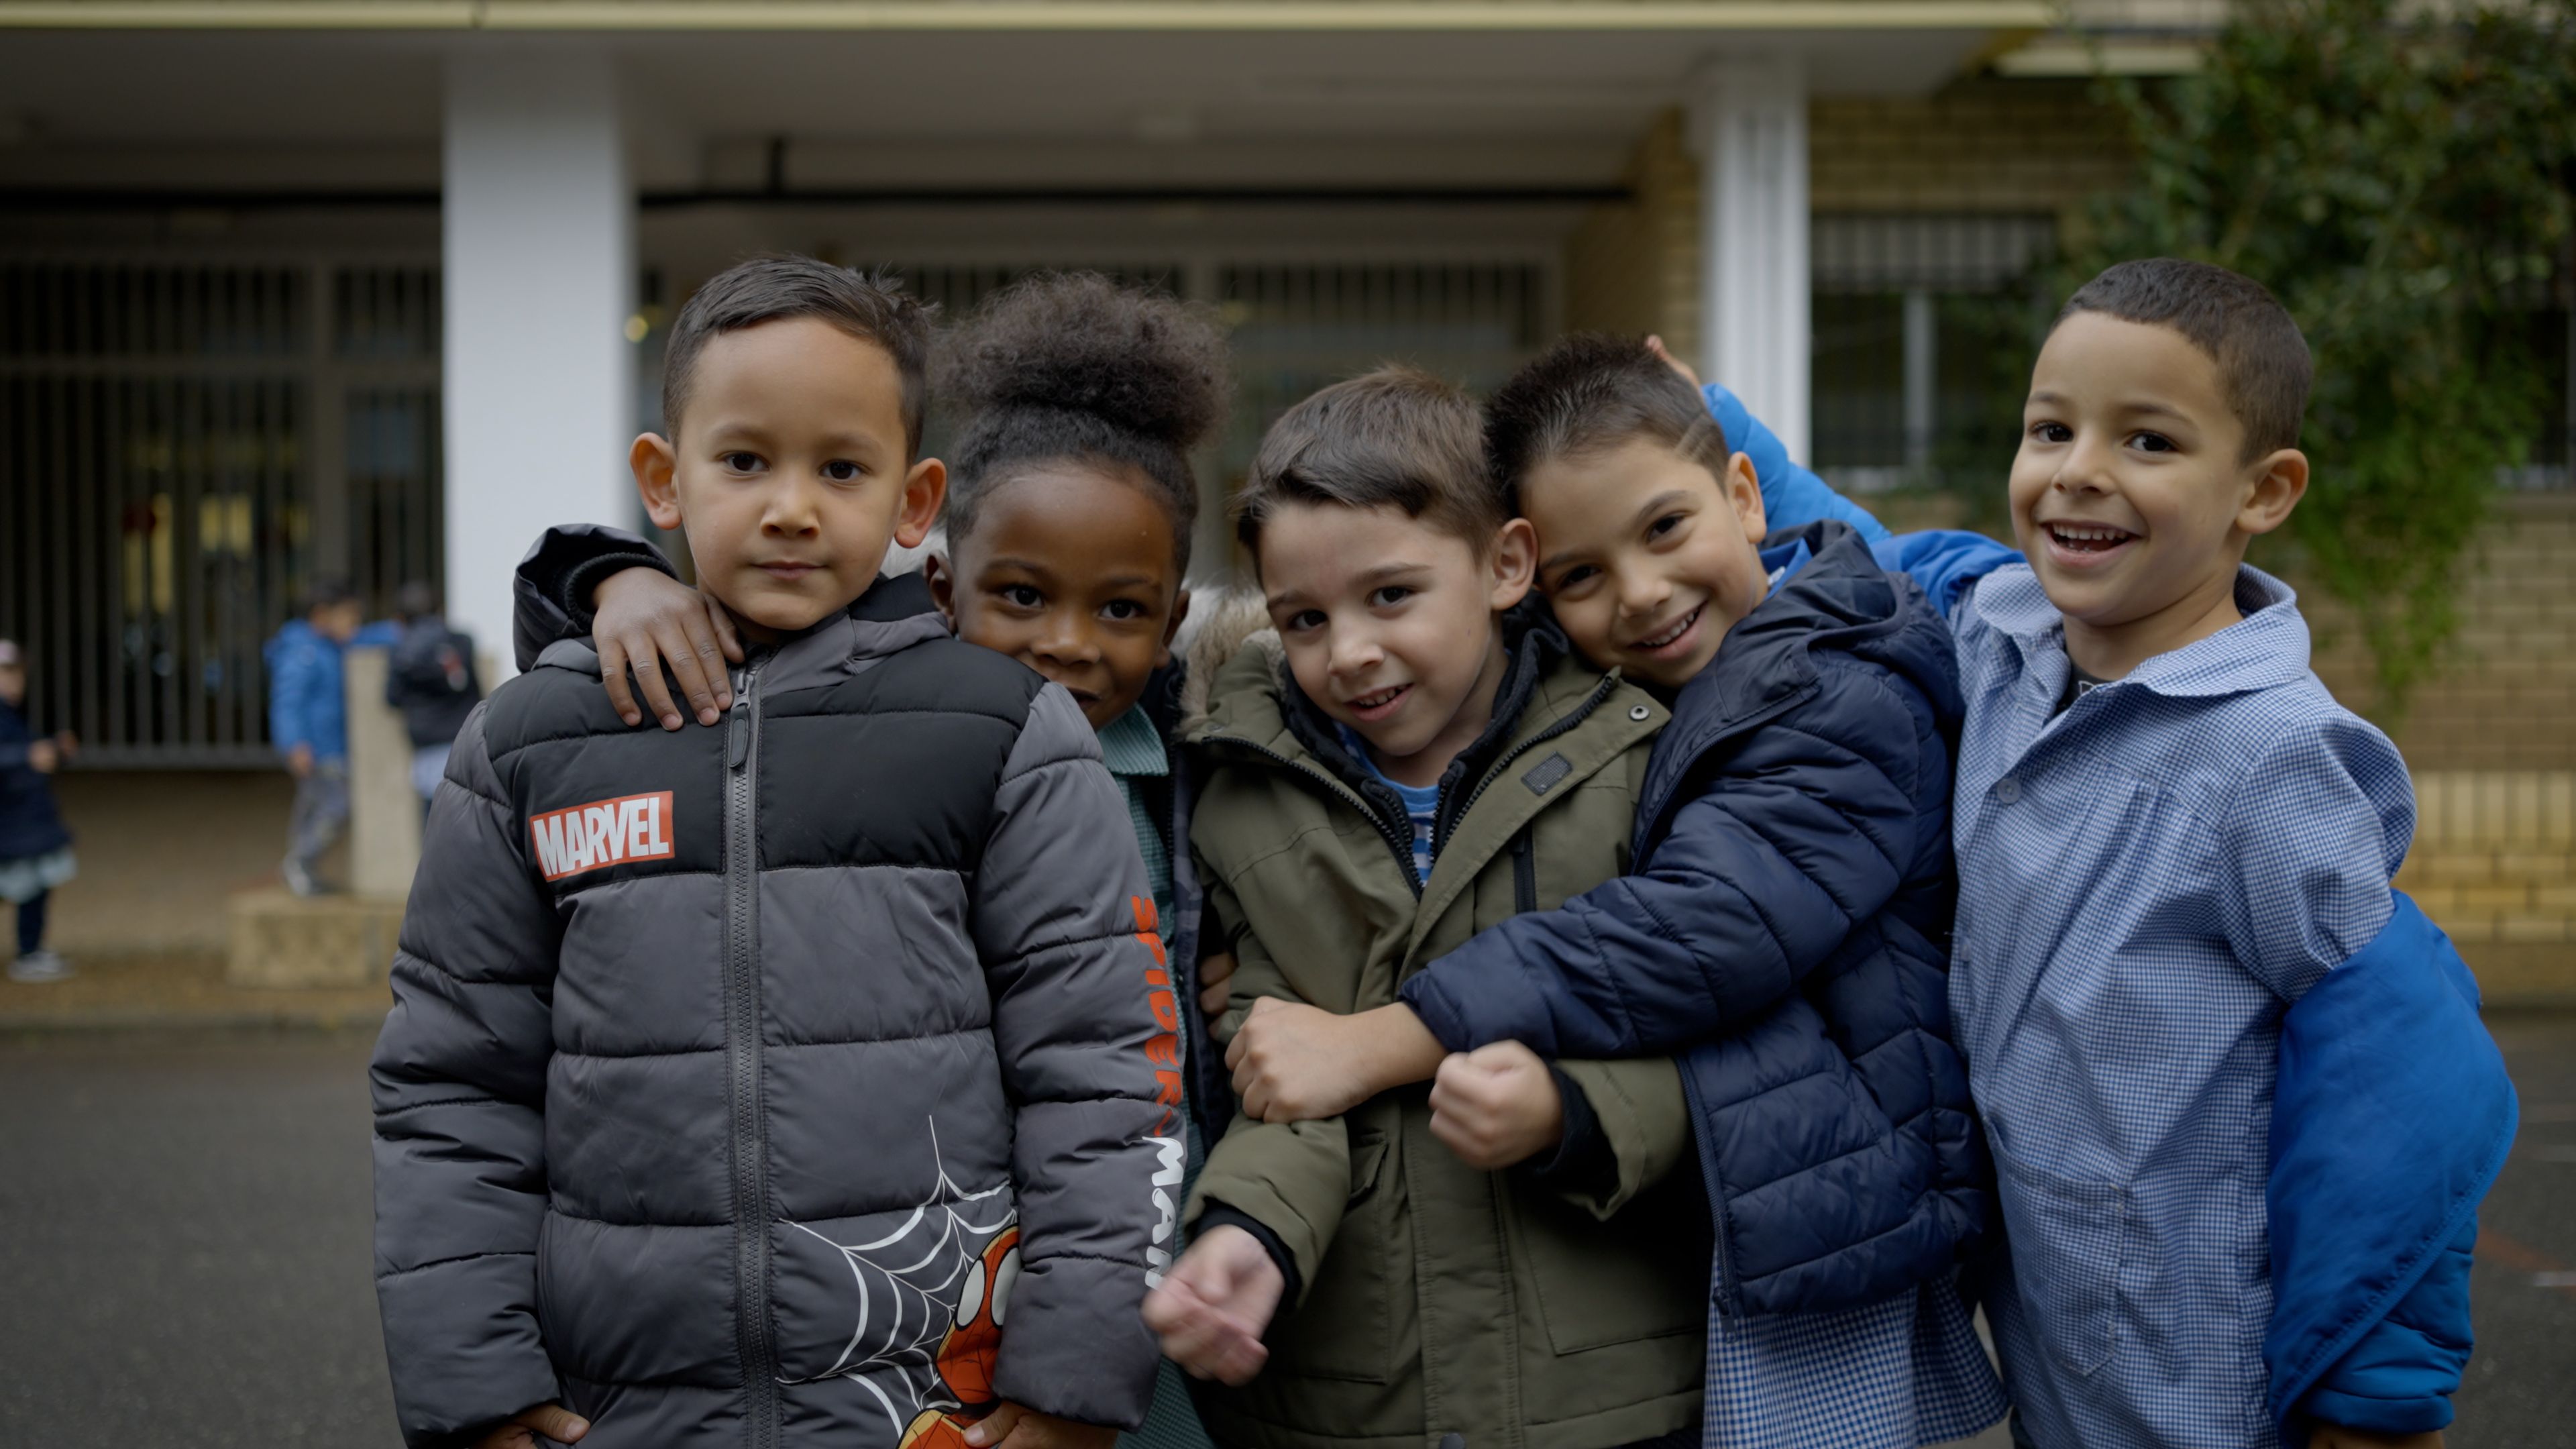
{"x": 2242, "y": 1105}
{"x": 308, "y": 720}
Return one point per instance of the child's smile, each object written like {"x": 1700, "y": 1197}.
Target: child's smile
{"x": 2131, "y": 495}
{"x": 1647, "y": 558}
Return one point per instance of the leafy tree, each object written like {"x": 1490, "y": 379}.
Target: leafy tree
{"x": 2401, "y": 177}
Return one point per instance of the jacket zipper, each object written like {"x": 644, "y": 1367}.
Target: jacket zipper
{"x": 742, "y": 1059}
{"x": 1524, "y": 873}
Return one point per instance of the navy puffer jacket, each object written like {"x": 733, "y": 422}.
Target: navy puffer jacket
{"x": 1785, "y": 923}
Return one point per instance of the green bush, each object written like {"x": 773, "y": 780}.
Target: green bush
{"x": 2402, "y": 180}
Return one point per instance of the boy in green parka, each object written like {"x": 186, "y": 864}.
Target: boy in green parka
{"x": 1504, "y": 1253}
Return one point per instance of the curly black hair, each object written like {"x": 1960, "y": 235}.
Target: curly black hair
{"x": 1074, "y": 366}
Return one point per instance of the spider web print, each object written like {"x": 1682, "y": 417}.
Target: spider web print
{"x": 908, "y": 1283}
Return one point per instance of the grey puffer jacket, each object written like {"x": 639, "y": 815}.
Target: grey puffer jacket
{"x": 725, "y": 1064}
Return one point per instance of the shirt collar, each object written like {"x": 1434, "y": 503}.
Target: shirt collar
{"x": 2268, "y": 647}
{"x": 1783, "y": 561}
{"x": 1131, "y": 745}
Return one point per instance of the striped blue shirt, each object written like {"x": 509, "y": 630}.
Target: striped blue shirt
{"x": 2146, "y": 880}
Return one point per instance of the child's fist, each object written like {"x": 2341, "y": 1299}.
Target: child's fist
{"x": 1297, "y": 1063}
{"x": 531, "y": 1428}
{"x": 1013, "y": 1426}
{"x": 1496, "y": 1105}
{"x": 1212, "y": 1308}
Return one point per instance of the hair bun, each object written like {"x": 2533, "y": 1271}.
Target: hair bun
{"x": 1142, "y": 362}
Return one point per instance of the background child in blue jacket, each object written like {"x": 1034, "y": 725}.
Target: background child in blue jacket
{"x": 35, "y": 849}
{"x": 308, "y": 720}
{"x": 2242, "y": 1104}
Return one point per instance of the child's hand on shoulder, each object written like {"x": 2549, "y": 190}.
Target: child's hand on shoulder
{"x": 1496, "y": 1106}
{"x": 1212, "y": 1308}
{"x": 2335, "y": 1436}
{"x": 1014, "y": 1426}
{"x": 533, "y": 1428}
{"x": 645, "y": 620}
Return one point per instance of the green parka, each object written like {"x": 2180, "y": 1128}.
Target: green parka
{"x": 1435, "y": 1297}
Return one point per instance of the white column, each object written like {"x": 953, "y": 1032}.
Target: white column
{"x": 539, "y": 218}
{"x": 1749, "y": 120}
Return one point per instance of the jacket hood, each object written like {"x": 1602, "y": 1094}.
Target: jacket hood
{"x": 1840, "y": 601}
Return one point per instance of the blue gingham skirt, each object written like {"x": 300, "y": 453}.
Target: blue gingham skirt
{"x": 1894, "y": 1375}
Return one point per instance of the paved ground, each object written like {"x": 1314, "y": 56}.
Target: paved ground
{"x": 183, "y": 1246}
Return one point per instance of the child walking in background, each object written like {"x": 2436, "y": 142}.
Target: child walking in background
{"x": 1068, "y": 521}
{"x": 308, "y": 720}
{"x": 35, "y": 849}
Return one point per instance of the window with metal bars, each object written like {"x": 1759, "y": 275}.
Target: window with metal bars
{"x": 186, "y": 445}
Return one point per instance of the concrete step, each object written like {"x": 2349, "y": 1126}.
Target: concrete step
{"x": 279, "y": 939}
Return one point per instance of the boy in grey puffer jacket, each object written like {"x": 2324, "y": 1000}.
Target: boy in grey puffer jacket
{"x": 794, "y": 1080}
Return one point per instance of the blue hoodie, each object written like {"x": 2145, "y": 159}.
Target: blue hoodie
{"x": 307, "y": 700}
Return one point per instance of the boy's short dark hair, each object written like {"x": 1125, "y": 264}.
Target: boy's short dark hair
{"x": 2264, "y": 369}
{"x": 326, "y": 593}
{"x": 1587, "y": 394}
{"x": 872, "y": 308}
{"x": 1393, "y": 438}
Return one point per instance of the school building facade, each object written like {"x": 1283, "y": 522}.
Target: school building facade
{"x": 376, "y": 289}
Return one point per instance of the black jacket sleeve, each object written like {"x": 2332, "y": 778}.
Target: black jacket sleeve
{"x": 551, "y": 592}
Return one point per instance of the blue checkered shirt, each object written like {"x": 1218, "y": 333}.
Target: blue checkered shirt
{"x": 2145, "y": 882}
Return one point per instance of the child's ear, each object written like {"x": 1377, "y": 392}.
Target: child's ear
{"x": 1515, "y": 563}
{"x": 942, "y": 578}
{"x": 2280, "y": 481}
{"x": 655, "y": 463}
{"x": 924, "y": 489}
{"x": 1744, "y": 490}
{"x": 1172, "y": 627}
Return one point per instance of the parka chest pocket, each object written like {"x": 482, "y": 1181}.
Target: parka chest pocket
{"x": 1343, "y": 1329}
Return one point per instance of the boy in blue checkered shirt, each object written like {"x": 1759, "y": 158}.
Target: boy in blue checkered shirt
{"x": 2239, "y": 1100}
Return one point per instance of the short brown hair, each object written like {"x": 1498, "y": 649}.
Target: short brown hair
{"x": 1393, "y": 438}
{"x": 2264, "y": 369}
{"x": 872, "y": 308}
{"x": 1590, "y": 393}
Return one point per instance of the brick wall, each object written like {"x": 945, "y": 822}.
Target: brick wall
{"x": 1977, "y": 145}
{"x": 1634, "y": 267}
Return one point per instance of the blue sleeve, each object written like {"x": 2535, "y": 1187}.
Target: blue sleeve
{"x": 2399, "y": 1378}
{"x": 291, "y": 683}
{"x": 1943, "y": 560}
{"x": 1806, "y": 831}
{"x": 382, "y": 634}
{"x": 1791, "y": 495}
